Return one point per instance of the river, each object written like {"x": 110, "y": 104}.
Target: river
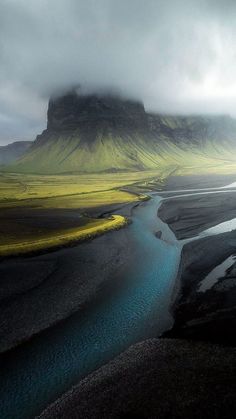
{"x": 36, "y": 373}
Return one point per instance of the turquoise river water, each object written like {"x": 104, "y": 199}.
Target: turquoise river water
{"x": 38, "y": 372}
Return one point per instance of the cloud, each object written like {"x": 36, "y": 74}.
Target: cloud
{"x": 177, "y": 56}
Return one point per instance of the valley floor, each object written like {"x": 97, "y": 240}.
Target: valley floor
{"x": 64, "y": 282}
{"x": 42, "y": 212}
{"x": 38, "y": 212}
{"x": 175, "y": 377}
{"x": 32, "y": 222}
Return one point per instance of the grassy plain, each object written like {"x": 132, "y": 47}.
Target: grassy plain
{"x": 72, "y": 191}
{"x": 35, "y": 209}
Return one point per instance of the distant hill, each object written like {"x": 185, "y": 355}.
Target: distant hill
{"x": 11, "y": 152}
{"x": 106, "y": 133}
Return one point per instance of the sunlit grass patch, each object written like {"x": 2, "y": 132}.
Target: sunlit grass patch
{"x": 61, "y": 191}
{"x": 41, "y": 241}
{"x": 28, "y": 204}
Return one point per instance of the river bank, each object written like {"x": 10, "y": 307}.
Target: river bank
{"x": 206, "y": 315}
{"x": 165, "y": 378}
{"x": 204, "y": 312}
{"x": 39, "y": 290}
{"x": 189, "y": 215}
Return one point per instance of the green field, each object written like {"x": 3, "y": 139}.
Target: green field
{"x": 70, "y": 191}
{"x": 33, "y": 207}
{"x": 42, "y": 211}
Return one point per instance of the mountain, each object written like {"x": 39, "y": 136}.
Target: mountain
{"x": 106, "y": 133}
{"x": 11, "y": 152}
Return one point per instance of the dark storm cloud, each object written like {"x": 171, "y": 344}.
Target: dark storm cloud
{"x": 177, "y": 56}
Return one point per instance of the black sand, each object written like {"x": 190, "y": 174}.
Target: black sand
{"x": 164, "y": 379}
{"x": 37, "y": 292}
{"x": 209, "y": 315}
{"x": 187, "y": 217}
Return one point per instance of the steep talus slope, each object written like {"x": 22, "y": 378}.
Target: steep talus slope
{"x": 93, "y": 134}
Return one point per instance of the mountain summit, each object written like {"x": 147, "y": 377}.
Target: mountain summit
{"x": 107, "y": 133}
{"x": 92, "y": 115}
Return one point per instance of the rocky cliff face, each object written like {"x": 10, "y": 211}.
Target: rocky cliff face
{"x": 92, "y": 115}
{"x": 196, "y": 130}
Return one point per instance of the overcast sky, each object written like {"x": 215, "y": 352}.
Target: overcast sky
{"x": 177, "y": 56}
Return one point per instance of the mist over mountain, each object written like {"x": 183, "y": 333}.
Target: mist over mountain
{"x": 94, "y": 133}
{"x": 177, "y": 57}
